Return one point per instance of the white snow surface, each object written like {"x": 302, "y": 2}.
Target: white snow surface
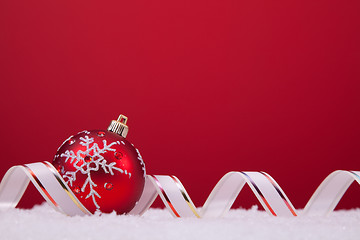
{"x": 42, "y": 222}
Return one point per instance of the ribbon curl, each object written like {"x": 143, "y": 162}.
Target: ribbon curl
{"x": 173, "y": 194}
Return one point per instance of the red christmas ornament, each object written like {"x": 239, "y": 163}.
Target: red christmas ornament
{"x": 103, "y": 169}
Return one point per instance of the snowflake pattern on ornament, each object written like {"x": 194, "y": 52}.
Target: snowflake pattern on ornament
{"x": 90, "y": 160}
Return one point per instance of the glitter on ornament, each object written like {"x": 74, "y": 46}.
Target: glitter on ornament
{"x": 118, "y": 155}
{"x": 101, "y": 134}
{"x": 77, "y": 189}
{"x": 108, "y": 186}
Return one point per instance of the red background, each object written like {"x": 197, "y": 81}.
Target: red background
{"x": 208, "y": 86}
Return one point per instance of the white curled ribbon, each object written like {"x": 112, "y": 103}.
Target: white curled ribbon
{"x": 173, "y": 194}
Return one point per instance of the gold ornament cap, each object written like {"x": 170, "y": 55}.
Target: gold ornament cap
{"x": 119, "y": 126}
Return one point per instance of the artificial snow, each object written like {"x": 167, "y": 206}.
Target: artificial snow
{"x": 43, "y": 222}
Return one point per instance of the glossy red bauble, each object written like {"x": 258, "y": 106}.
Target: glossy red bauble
{"x": 104, "y": 170}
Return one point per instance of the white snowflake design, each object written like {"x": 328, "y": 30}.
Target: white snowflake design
{"x": 90, "y": 160}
